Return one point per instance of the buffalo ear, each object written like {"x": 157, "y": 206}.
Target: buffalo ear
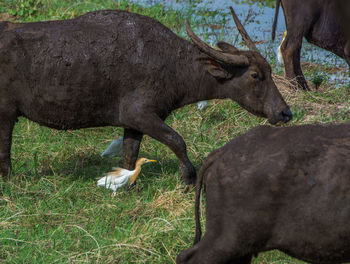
{"x": 227, "y": 48}
{"x": 215, "y": 69}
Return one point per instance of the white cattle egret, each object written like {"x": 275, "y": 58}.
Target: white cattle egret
{"x": 278, "y": 52}
{"x": 114, "y": 149}
{"x": 119, "y": 177}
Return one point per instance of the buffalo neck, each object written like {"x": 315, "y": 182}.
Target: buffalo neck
{"x": 206, "y": 88}
{"x": 197, "y": 83}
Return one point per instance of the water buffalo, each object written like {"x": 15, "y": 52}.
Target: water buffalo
{"x": 115, "y": 68}
{"x": 344, "y": 15}
{"x": 316, "y": 20}
{"x": 285, "y": 188}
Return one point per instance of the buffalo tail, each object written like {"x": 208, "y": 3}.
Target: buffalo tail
{"x": 278, "y": 2}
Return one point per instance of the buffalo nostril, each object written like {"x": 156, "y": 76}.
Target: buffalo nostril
{"x": 287, "y": 115}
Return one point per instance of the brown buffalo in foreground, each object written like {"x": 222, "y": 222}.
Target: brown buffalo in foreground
{"x": 284, "y": 188}
{"x": 316, "y": 20}
{"x": 115, "y": 68}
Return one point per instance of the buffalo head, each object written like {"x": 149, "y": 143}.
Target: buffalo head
{"x": 243, "y": 76}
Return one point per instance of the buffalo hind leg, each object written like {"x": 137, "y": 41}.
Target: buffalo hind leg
{"x": 155, "y": 127}
{"x": 131, "y": 146}
{"x": 347, "y": 53}
{"x": 290, "y": 49}
{"x": 7, "y": 123}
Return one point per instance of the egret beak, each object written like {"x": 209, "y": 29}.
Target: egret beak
{"x": 151, "y": 161}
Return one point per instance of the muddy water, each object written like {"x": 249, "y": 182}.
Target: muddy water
{"x": 221, "y": 27}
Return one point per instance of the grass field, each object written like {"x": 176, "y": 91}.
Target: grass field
{"x": 51, "y": 210}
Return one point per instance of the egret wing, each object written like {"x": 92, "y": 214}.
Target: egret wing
{"x": 115, "y": 179}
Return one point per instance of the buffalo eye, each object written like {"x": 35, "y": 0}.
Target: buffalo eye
{"x": 255, "y": 76}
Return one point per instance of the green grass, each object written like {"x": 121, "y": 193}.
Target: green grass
{"x": 51, "y": 210}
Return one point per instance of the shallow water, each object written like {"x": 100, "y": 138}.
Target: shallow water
{"x": 258, "y": 26}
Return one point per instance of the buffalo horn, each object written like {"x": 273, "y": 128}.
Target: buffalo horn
{"x": 237, "y": 60}
{"x": 242, "y": 31}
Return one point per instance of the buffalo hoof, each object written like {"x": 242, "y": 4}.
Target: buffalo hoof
{"x": 5, "y": 172}
{"x": 299, "y": 83}
{"x": 188, "y": 174}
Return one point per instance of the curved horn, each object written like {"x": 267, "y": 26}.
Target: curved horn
{"x": 238, "y": 60}
{"x": 242, "y": 31}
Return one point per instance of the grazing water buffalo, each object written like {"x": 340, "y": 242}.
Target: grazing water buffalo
{"x": 316, "y": 20}
{"x": 115, "y": 68}
{"x": 284, "y": 188}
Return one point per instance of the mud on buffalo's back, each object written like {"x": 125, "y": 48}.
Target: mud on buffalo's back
{"x": 78, "y": 68}
{"x": 102, "y": 38}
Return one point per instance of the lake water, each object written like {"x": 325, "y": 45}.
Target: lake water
{"x": 258, "y": 27}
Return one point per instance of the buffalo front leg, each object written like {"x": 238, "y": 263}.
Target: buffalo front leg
{"x": 131, "y": 146}
{"x": 291, "y": 48}
{"x": 155, "y": 127}
{"x": 6, "y": 126}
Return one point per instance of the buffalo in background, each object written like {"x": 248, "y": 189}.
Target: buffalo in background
{"x": 344, "y": 16}
{"x": 319, "y": 22}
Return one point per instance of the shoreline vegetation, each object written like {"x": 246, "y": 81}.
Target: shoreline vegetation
{"x": 51, "y": 210}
